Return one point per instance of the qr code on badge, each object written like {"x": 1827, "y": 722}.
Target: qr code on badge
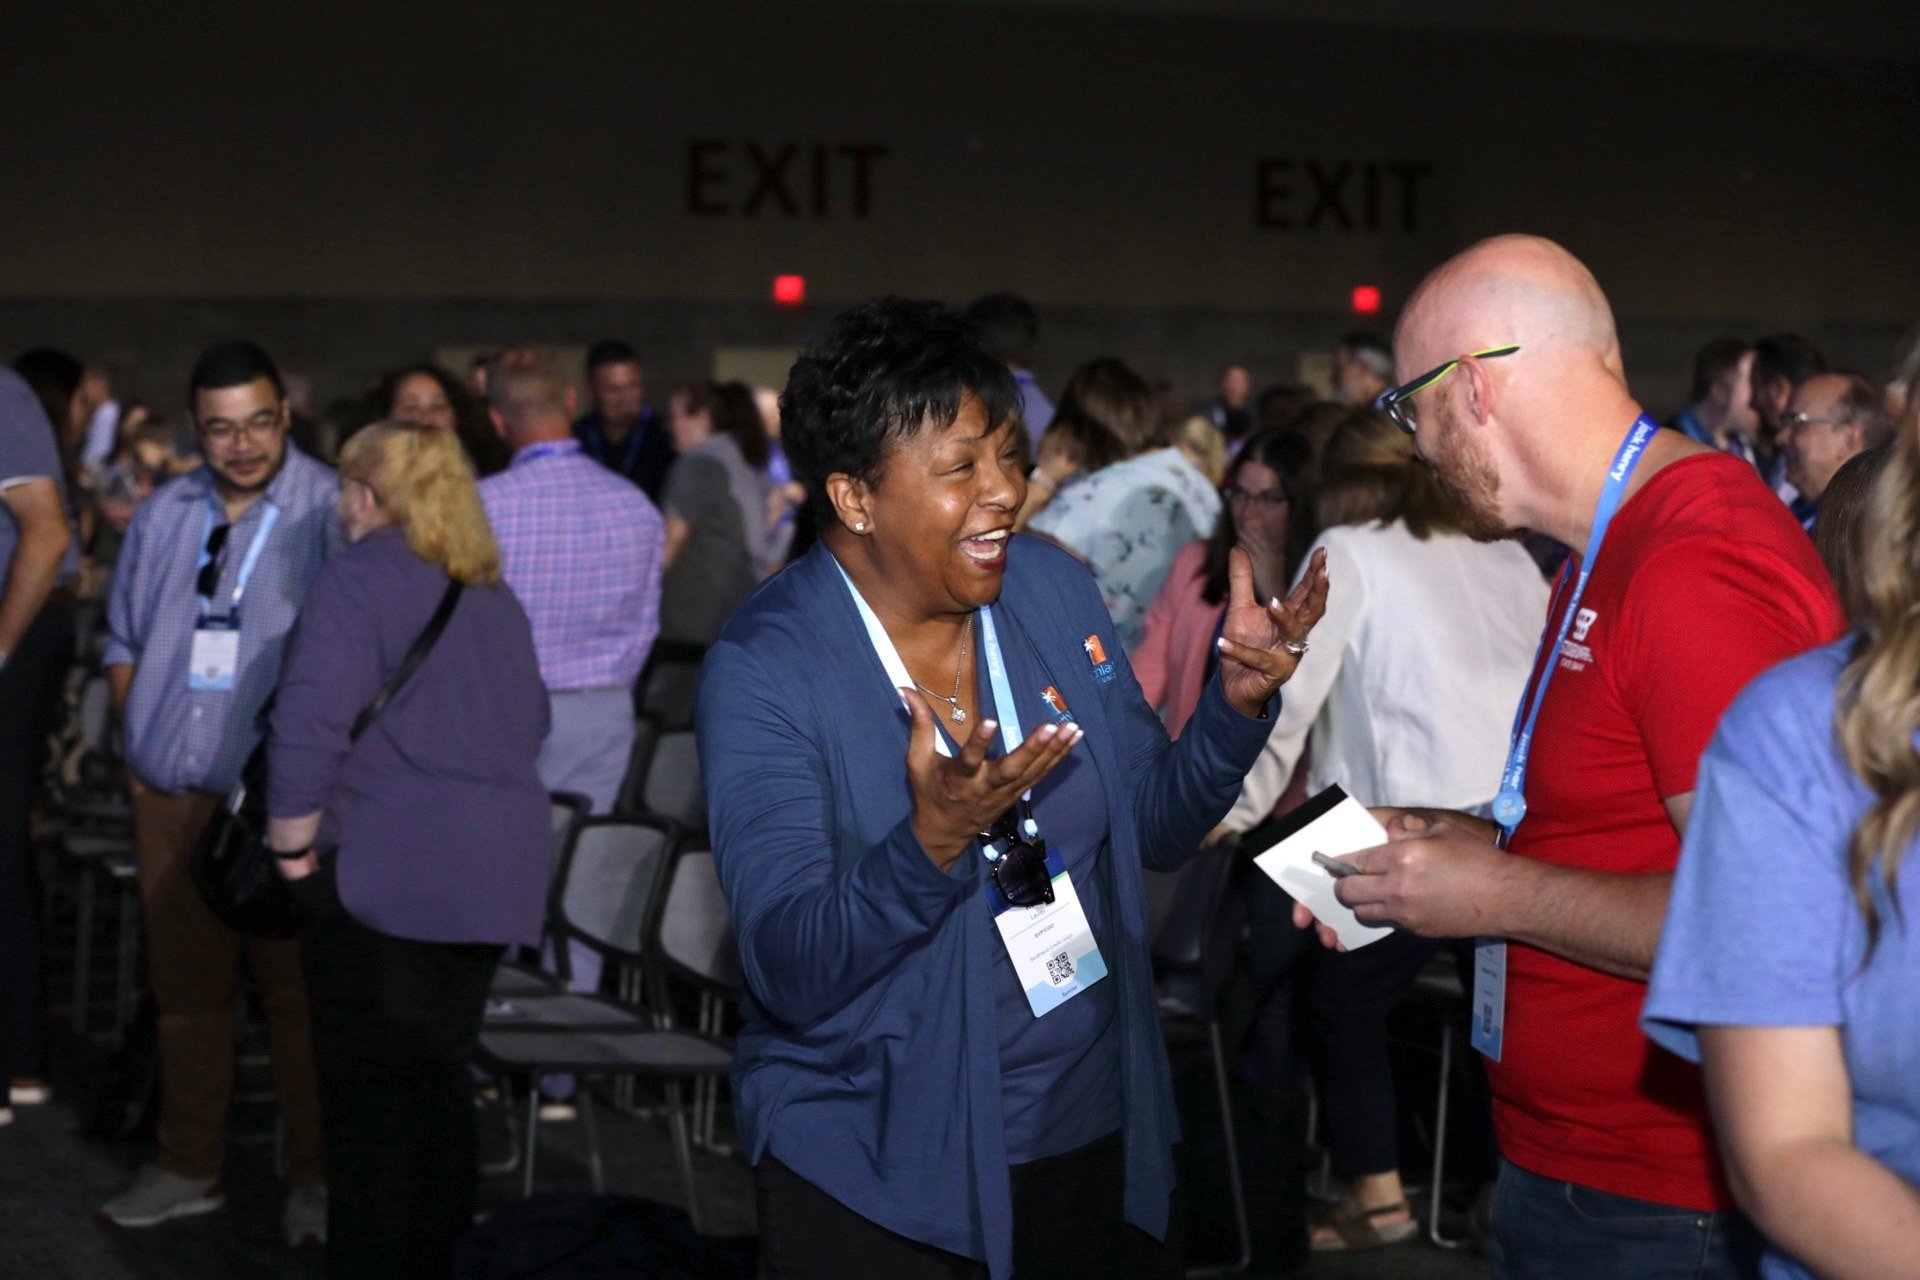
{"x": 1060, "y": 969}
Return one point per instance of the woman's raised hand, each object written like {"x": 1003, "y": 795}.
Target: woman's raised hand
{"x": 1254, "y": 658}
{"x": 956, "y": 798}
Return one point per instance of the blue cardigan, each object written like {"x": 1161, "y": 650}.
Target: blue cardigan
{"x": 869, "y": 1058}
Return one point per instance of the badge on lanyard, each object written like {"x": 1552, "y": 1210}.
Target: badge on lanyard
{"x": 1055, "y": 955}
{"x": 213, "y": 662}
{"x": 215, "y": 659}
{"x": 1510, "y": 806}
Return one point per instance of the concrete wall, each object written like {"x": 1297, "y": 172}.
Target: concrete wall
{"x": 355, "y": 185}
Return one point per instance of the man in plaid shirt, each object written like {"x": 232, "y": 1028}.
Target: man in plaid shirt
{"x": 581, "y": 547}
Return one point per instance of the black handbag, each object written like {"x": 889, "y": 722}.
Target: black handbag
{"x": 232, "y": 865}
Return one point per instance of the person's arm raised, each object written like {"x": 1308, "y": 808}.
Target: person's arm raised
{"x": 815, "y": 926}
{"x": 955, "y": 799}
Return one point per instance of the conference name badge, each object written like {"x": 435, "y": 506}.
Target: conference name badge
{"x": 1051, "y": 945}
{"x": 214, "y": 659}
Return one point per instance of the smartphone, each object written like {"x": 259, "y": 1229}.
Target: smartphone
{"x": 1334, "y": 867}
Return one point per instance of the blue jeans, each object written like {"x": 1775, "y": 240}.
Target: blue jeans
{"x": 1545, "y": 1229}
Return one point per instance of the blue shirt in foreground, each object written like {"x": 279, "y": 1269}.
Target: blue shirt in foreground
{"x": 1763, "y": 929}
{"x": 183, "y": 739}
{"x": 870, "y": 1059}
{"x": 437, "y": 810}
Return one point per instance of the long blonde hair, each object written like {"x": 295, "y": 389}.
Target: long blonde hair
{"x": 423, "y": 479}
{"x": 1878, "y": 710}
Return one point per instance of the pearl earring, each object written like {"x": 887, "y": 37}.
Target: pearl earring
{"x": 860, "y": 526}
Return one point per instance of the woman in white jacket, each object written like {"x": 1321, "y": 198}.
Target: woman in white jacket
{"x": 1409, "y": 692}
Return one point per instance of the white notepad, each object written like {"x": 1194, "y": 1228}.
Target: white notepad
{"x": 1332, "y": 823}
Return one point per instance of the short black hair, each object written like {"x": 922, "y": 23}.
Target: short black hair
{"x": 1716, "y": 362}
{"x": 1786, "y": 355}
{"x": 610, "y": 351}
{"x": 880, "y": 373}
{"x": 1011, "y": 325}
{"x": 233, "y": 363}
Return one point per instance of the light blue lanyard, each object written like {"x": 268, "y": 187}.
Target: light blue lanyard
{"x": 247, "y": 565}
{"x": 1510, "y": 806}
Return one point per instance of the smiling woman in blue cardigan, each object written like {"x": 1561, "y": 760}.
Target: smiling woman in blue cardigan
{"x": 932, "y": 784}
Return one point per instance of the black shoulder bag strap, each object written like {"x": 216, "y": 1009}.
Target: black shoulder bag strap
{"x": 422, "y": 646}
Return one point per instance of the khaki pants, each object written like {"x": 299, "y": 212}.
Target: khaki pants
{"x": 193, "y": 960}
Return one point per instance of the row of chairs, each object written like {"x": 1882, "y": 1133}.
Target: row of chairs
{"x": 639, "y": 890}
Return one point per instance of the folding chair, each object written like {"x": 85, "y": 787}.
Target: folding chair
{"x": 609, "y": 899}
{"x": 695, "y": 944}
{"x": 673, "y": 788}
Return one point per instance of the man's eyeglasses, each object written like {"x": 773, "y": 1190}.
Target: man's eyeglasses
{"x": 1396, "y": 402}
{"x": 1020, "y": 869}
{"x": 209, "y": 580}
{"x": 1794, "y": 421}
{"x": 259, "y": 427}
{"x": 1260, "y": 498}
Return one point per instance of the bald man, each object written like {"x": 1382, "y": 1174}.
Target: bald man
{"x": 1514, "y": 390}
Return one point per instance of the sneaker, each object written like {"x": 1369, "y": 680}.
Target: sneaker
{"x": 305, "y": 1220}
{"x": 30, "y": 1093}
{"x": 157, "y": 1196}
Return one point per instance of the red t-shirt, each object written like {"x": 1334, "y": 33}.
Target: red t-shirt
{"x": 1704, "y": 581}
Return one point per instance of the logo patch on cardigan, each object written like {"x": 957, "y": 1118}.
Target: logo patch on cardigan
{"x": 1056, "y": 706}
{"x": 1097, "y": 655}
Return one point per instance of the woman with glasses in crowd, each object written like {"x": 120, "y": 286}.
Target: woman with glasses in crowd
{"x": 417, "y": 848}
{"x": 933, "y": 787}
{"x": 1267, "y": 514}
{"x": 1409, "y": 692}
{"x": 1789, "y": 965}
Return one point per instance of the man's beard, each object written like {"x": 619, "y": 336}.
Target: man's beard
{"x": 233, "y": 486}
{"x": 1464, "y": 471}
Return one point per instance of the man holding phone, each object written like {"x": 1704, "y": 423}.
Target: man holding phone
{"x": 1517, "y": 397}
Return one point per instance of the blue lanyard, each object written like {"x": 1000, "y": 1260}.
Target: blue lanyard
{"x": 1510, "y": 806}
{"x": 247, "y": 565}
{"x": 545, "y": 449}
{"x": 1005, "y": 709}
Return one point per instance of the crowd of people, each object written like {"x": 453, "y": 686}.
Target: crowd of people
{"x": 1648, "y": 771}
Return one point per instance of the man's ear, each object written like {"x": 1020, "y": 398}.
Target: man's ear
{"x": 851, "y": 500}
{"x": 1480, "y": 393}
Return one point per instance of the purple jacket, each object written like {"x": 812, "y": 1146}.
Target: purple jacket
{"x": 437, "y": 810}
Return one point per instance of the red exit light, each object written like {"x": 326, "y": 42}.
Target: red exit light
{"x": 789, "y": 291}
{"x": 1366, "y": 300}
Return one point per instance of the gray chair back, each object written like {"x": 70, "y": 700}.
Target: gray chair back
{"x": 667, "y": 691}
{"x": 633, "y": 787}
{"x": 611, "y": 881}
{"x": 673, "y": 787}
{"x": 696, "y": 933}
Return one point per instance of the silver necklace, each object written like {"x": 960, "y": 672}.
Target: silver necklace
{"x": 959, "y": 716}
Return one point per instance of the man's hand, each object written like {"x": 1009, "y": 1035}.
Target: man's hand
{"x": 1255, "y": 661}
{"x": 955, "y": 799}
{"x": 1438, "y": 876}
